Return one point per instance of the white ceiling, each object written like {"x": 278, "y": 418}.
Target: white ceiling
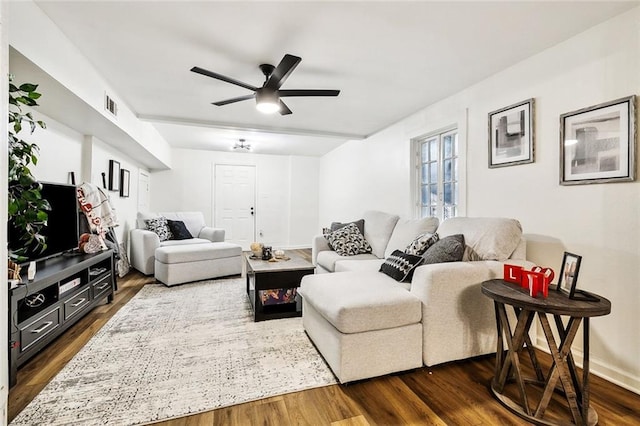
{"x": 389, "y": 59}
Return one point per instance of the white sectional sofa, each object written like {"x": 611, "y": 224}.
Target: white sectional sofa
{"x": 365, "y": 326}
{"x": 177, "y": 261}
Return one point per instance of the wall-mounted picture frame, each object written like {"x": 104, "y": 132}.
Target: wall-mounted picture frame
{"x": 512, "y": 135}
{"x": 124, "y": 182}
{"x": 598, "y": 143}
{"x": 569, "y": 274}
{"x": 114, "y": 175}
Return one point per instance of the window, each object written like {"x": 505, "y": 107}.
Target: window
{"x": 438, "y": 175}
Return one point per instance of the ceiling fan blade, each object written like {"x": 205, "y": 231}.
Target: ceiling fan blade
{"x": 222, "y": 77}
{"x": 284, "y": 109}
{"x": 233, "y": 100}
{"x": 308, "y": 92}
{"x": 282, "y": 71}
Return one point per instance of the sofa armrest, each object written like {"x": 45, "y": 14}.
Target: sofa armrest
{"x": 215, "y": 235}
{"x": 458, "y": 320}
{"x": 143, "y": 247}
{"x": 318, "y": 244}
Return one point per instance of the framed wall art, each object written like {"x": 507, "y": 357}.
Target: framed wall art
{"x": 124, "y": 182}
{"x": 598, "y": 143}
{"x": 511, "y": 135}
{"x": 114, "y": 175}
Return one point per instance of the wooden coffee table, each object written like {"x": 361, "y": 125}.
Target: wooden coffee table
{"x": 263, "y": 275}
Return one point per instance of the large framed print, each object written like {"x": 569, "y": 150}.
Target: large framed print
{"x": 598, "y": 143}
{"x": 511, "y": 135}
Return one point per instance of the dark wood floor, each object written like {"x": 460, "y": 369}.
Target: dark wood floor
{"x": 450, "y": 394}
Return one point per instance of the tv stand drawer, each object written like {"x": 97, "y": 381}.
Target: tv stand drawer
{"x": 76, "y": 303}
{"x": 38, "y": 329}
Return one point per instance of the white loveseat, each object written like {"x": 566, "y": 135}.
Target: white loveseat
{"x": 354, "y": 316}
{"x": 144, "y": 242}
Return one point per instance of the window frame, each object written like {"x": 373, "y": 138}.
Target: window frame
{"x": 416, "y": 175}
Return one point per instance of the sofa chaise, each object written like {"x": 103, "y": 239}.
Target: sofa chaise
{"x": 367, "y": 324}
{"x": 199, "y": 253}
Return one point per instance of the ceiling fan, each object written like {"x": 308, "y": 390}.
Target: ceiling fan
{"x": 268, "y": 96}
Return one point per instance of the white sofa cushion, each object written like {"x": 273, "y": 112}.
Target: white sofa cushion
{"x": 485, "y": 238}
{"x": 195, "y": 253}
{"x": 378, "y": 227}
{"x": 406, "y": 230}
{"x": 355, "y": 302}
{"x": 328, "y": 258}
{"x": 184, "y": 242}
{"x": 366, "y": 265}
{"x": 194, "y": 221}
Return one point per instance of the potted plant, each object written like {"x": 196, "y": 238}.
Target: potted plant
{"x": 27, "y": 210}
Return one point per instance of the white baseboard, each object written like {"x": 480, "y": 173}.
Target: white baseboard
{"x": 599, "y": 368}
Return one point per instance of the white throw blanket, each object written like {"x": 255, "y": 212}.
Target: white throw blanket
{"x": 97, "y": 208}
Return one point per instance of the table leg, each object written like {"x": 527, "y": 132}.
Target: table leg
{"x": 560, "y": 368}
{"x": 514, "y": 344}
{"x": 532, "y": 352}
{"x": 562, "y": 332}
{"x": 500, "y": 344}
{"x": 585, "y": 370}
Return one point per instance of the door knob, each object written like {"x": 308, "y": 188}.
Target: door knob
{"x": 252, "y": 211}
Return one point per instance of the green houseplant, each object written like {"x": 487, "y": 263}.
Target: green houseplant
{"x": 27, "y": 210}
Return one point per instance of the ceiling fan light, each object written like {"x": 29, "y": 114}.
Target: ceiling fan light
{"x": 267, "y": 102}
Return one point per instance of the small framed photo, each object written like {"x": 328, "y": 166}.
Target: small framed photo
{"x": 598, "y": 143}
{"x": 124, "y": 182}
{"x": 114, "y": 175}
{"x": 569, "y": 274}
{"x": 511, "y": 135}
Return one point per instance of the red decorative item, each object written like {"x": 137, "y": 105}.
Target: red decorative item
{"x": 533, "y": 281}
{"x": 513, "y": 273}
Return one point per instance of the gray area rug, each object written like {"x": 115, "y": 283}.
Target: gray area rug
{"x": 175, "y": 351}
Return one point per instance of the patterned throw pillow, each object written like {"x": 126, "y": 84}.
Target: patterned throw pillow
{"x": 400, "y": 266}
{"x": 160, "y": 226}
{"x": 448, "y": 249}
{"x": 348, "y": 241}
{"x": 421, "y": 243}
{"x": 179, "y": 230}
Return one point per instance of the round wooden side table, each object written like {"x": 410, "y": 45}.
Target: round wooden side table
{"x": 563, "y": 368}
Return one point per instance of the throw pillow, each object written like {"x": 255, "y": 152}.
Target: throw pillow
{"x": 421, "y": 243}
{"x": 348, "y": 241}
{"x": 178, "y": 230}
{"x": 359, "y": 223}
{"x": 159, "y": 226}
{"x": 448, "y": 249}
{"x": 400, "y": 266}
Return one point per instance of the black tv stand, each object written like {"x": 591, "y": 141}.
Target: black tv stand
{"x": 65, "y": 289}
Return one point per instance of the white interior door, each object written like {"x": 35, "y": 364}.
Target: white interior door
{"x": 143, "y": 191}
{"x": 235, "y": 197}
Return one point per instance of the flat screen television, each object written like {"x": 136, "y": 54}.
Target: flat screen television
{"x": 61, "y": 231}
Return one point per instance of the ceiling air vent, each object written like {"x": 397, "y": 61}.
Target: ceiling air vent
{"x": 110, "y": 105}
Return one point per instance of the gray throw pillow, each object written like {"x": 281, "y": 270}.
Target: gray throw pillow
{"x": 348, "y": 241}
{"x": 359, "y": 223}
{"x": 448, "y": 249}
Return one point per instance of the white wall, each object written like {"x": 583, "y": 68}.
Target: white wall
{"x": 45, "y": 48}
{"x": 601, "y": 222}
{"x": 63, "y": 150}
{"x": 286, "y": 192}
